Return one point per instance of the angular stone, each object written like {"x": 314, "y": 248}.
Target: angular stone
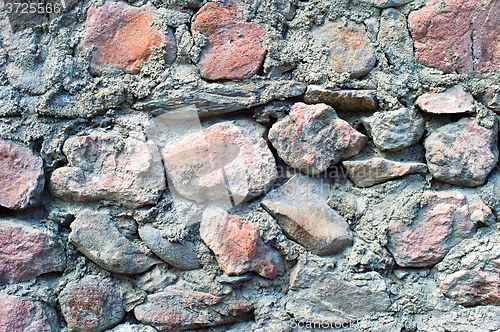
{"x": 23, "y": 314}
{"x": 174, "y": 310}
{"x": 91, "y": 305}
{"x": 366, "y": 173}
{"x": 301, "y": 209}
{"x": 236, "y": 244}
{"x": 394, "y": 38}
{"x": 457, "y": 35}
{"x": 452, "y": 101}
{"x": 95, "y": 235}
{"x": 181, "y": 256}
{"x": 123, "y": 36}
{"x": 350, "y": 49}
{"x": 235, "y": 48}
{"x": 389, "y": 3}
{"x": 446, "y": 219}
{"x": 342, "y": 100}
{"x": 313, "y": 137}
{"x": 229, "y": 156}
{"x": 26, "y": 253}
{"x": 492, "y": 98}
{"x": 21, "y": 175}
{"x": 105, "y": 166}
{"x": 395, "y": 130}
{"x": 462, "y": 153}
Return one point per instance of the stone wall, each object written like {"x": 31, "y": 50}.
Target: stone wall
{"x": 273, "y": 165}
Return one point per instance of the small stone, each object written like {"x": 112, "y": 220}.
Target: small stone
{"x": 395, "y": 130}
{"x": 105, "y": 166}
{"x": 91, "y": 305}
{"x": 366, "y": 173}
{"x": 462, "y": 153}
{"x": 492, "y": 98}
{"x": 23, "y": 314}
{"x": 95, "y": 235}
{"x": 123, "y": 36}
{"x": 174, "y": 310}
{"x": 156, "y": 279}
{"x": 127, "y": 327}
{"x": 342, "y": 100}
{"x": 389, "y": 3}
{"x": 452, "y": 101}
{"x": 181, "y": 256}
{"x": 21, "y": 175}
{"x": 301, "y": 209}
{"x": 26, "y": 253}
{"x": 350, "y": 49}
{"x": 236, "y": 244}
{"x": 446, "y": 219}
{"x": 235, "y": 48}
{"x": 313, "y": 137}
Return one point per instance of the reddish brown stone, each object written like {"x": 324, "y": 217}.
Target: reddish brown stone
{"x": 235, "y": 48}
{"x": 21, "y": 175}
{"x": 23, "y": 314}
{"x": 123, "y": 36}
{"x": 236, "y": 244}
{"x": 26, "y": 252}
{"x": 453, "y": 100}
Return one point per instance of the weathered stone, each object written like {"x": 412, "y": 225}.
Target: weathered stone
{"x": 492, "y": 98}
{"x": 395, "y": 130}
{"x": 321, "y": 295}
{"x": 453, "y": 100}
{"x": 24, "y": 314}
{"x": 91, "y": 305}
{"x": 105, "y": 166}
{"x": 394, "y": 38}
{"x": 9, "y": 101}
{"x": 389, "y": 3}
{"x": 123, "y": 36}
{"x": 462, "y": 153}
{"x": 457, "y": 35}
{"x": 236, "y": 244}
{"x": 350, "y": 49}
{"x": 313, "y": 137}
{"x": 174, "y": 310}
{"x": 235, "y": 48}
{"x": 21, "y": 175}
{"x": 156, "y": 279}
{"x": 127, "y": 327}
{"x": 181, "y": 256}
{"x": 26, "y": 253}
{"x": 490, "y": 192}
{"x": 342, "y": 100}
{"x": 366, "y": 173}
{"x": 95, "y": 235}
{"x": 446, "y": 219}
{"x": 301, "y": 209}
{"x": 229, "y": 156}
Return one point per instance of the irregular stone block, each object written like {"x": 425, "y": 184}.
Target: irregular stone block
{"x": 236, "y": 244}
{"x": 462, "y": 153}
{"x": 127, "y": 327}
{"x": 94, "y": 235}
{"x": 23, "y": 314}
{"x": 105, "y": 166}
{"x": 313, "y": 137}
{"x": 342, "y": 100}
{"x": 452, "y": 101}
{"x": 394, "y": 38}
{"x": 389, "y": 3}
{"x": 492, "y": 98}
{"x": 301, "y": 209}
{"x": 21, "y": 175}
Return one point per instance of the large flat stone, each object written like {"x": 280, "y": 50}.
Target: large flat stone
{"x": 342, "y": 100}
{"x": 452, "y": 101}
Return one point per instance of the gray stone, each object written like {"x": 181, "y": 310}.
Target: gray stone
{"x": 156, "y": 279}
{"x": 492, "y": 98}
{"x": 9, "y": 101}
{"x": 342, "y": 100}
{"x": 394, "y": 38}
{"x": 389, "y": 3}
{"x": 127, "y": 327}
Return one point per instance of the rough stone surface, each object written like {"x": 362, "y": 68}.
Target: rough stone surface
{"x": 389, "y": 3}
{"x": 105, "y": 166}
{"x": 133, "y": 328}
{"x": 26, "y": 253}
{"x": 95, "y": 235}
{"x": 395, "y": 130}
{"x": 236, "y": 244}
{"x": 492, "y": 98}
{"x": 24, "y": 314}
{"x": 21, "y": 175}
{"x": 453, "y": 100}
{"x": 302, "y": 212}
{"x": 366, "y": 173}
{"x": 123, "y": 36}
{"x": 457, "y": 35}
{"x": 235, "y": 48}
{"x": 182, "y": 256}
{"x": 462, "y": 153}
{"x": 342, "y": 100}
{"x": 394, "y": 38}
{"x": 446, "y": 219}
{"x": 174, "y": 310}
{"x": 313, "y": 137}
{"x": 350, "y": 49}
{"x": 91, "y": 305}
